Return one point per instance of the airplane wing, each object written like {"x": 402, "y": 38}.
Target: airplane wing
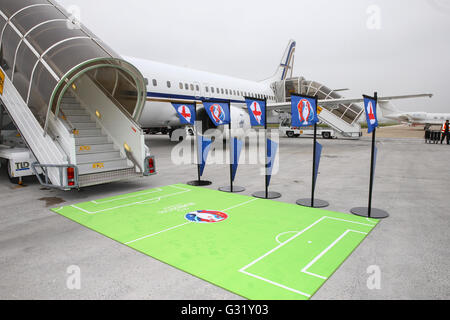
{"x": 286, "y": 106}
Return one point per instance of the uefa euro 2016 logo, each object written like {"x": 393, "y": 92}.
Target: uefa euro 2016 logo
{"x": 217, "y": 113}
{"x": 305, "y": 111}
{"x": 206, "y": 216}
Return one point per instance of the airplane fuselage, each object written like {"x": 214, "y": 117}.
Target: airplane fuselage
{"x": 172, "y": 83}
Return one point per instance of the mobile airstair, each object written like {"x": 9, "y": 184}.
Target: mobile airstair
{"x": 343, "y": 118}
{"x": 73, "y": 100}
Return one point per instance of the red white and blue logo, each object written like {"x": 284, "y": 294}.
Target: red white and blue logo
{"x": 370, "y": 106}
{"x": 256, "y": 110}
{"x": 186, "y": 112}
{"x": 206, "y": 216}
{"x": 303, "y": 111}
{"x": 218, "y": 112}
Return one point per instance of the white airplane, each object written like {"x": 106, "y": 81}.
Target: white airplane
{"x": 169, "y": 83}
{"x": 389, "y": 111}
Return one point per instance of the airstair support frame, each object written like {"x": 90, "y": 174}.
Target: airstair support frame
{"x": 63, "y": 54}
{"x": 343, "y": 119}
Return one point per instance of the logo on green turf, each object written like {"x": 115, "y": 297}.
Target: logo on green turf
{"x": 206, "y": 216}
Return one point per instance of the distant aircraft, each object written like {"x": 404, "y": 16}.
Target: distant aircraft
{"x": 169, "y": 83}
{"x": 389, "y": 111}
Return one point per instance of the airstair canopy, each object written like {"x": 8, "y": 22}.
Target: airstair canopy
{"x": 44, "y": 52}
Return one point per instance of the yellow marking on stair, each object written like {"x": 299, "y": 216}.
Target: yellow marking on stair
{"x": 76, "y": 132}
{"x": 2, "y": 81}
{"x": 85, "y": 148}
{"x": 99, "y": 165}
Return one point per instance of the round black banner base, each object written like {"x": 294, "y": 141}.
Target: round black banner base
{"x": 199, "y": 183}
{"x": 235, "y": 189}
{"x": 270, "y": 195}
{"x": 375, "y": 213}
{"x": 317, "y": 203}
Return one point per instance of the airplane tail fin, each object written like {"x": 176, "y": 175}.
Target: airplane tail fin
{"x": 286, "y": 66}
{"x": 387, "y": 108}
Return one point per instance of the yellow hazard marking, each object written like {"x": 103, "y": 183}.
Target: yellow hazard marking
{"x": 76, "y": 132}
{"x": 319, "y": 109}
{"x": 98, "y": 165}
{"x": 85, "y": 148}
{"x": 2, "y": 81}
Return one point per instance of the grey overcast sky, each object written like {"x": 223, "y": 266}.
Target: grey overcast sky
{"x": 391, "y": 46}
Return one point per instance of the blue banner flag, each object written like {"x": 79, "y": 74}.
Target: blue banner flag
{"x": 272, "y": 148}
{"x": 186, "y": 112}
{"x": 370, "y": 106}
{"x": 236, "y": 149}
{"x": 257, "y": 111}
{"x": 318, "y": 155}
{"x": 218, "y": 112}
{"x": 203, "y": 146}
{"x": 304, "y": 111}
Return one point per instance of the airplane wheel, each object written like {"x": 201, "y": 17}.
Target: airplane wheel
{"x": 290, "y": 134}
{"x": 326, "y": 135}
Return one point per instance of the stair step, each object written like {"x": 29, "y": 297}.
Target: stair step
{"x": 85, "y": 141}
{"x": 95, "y": 132}
{"x": 95, "y": 148}
{"x": 74, "y": 112}
{"x": 84, "y": 125}
{"x": 86, "y": 118}
{"x": 98, "y": 157}
{"x": 102, "y": 166}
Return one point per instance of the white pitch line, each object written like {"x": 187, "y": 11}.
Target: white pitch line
{"x": 275, "y": 283}
{"x": 130, "y": 204}
{"x": 236, "y": 206}
{"x": 304, "y": 270}
{"x": 282, "y": 244}
{"x": 133, "y": 196}
{"x": 154, "y": 234}
{"x": 286, "y": 242}
{"x": 278, "y": 236}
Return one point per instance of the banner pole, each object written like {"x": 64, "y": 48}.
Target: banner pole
{"x": 199, "y": 148}
{"x": 231, "y": 157}
{"x": 313, "y": 202}
{"x": 369, "y": 208}
{"x": 313, "y": 184}
{"x": 267, "y": 163}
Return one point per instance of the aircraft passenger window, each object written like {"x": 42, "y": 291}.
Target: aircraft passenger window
{"x": 197, "y": 87}
{"x": 181, "y": 85}
{"x": 234, "y": 92}
{"x": 221, "y": 90}
{"x": 192, "y": 87}
{"x": 212, "y": 89}
{"x": 169, "y": 84}
{"x": 186, "y": 86}
{"x": 226, "y": 91}
{"x": 206, "y": 89}
{"x": 155, "y": 83}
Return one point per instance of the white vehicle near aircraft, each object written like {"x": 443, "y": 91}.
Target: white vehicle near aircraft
{"x": 427, "y": 119}
{"x": 168, "y": 83}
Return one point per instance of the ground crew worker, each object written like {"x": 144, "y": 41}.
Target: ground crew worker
{"x": 445, "y": 132}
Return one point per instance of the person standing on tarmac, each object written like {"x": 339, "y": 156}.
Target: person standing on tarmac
{"x": 445, "y": 132}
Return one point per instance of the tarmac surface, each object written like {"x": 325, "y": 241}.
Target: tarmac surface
{"x": 411, "y": 248}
